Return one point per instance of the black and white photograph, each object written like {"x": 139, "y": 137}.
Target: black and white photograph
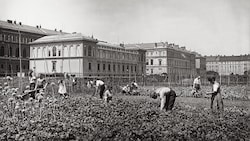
{"x": 125, "y": 70}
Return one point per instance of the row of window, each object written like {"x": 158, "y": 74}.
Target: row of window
{"x": 10, "y": 67}
{"x": 156, "y": 53}
{"x": 116, "y": 68}
{"x": 241, "y": 62}
{"x": 88, "y": 51}
{"x": 152, "y": 62}
{"x": 12, "y": 52}
{"x": 116, "y": 55}
{"x": 15, "y": 38}
{"x": 124, "y": 68}
{"x": 170, "y": 62}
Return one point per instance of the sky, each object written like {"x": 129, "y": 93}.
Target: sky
{"x": 209, "y": 27}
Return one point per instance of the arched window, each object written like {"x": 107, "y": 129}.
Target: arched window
{"x": 54, "y": 51}
{"x": 24, "y": 53}
{"x": 17, "y": 52}
{"x": 49, "y": 53}
{"x": 10, "y": 53}
{"x": 89, "y": 50}
{"x": 59, "y": 52}
{"x": 2, "y": 51}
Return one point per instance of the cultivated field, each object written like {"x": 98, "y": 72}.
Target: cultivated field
{"x": 84, "y": 117}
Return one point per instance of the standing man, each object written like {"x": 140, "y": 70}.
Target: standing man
{"x": 167, "y": 97}
{"x": 100, "y": 87}
{"x": 197, "y": 85}
{"x": 216, "y": 98}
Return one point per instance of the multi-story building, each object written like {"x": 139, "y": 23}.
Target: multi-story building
{"x": 200, "y": 64}
{"x": 226, "y": 65}
{"x": 13, "y": 34}
{"x": 162, "y": 57}
{"x": 84, "y": 56}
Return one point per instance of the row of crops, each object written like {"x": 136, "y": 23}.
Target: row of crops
{"x": 89, "y": 118}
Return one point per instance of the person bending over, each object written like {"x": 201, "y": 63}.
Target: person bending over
{"x": 167, "y": 97}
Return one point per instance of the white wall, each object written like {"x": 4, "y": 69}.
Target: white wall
{"x": 72, "y": 49}
{"x": 62, "y": 65}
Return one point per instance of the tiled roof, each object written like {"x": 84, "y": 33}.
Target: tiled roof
{"x": 27, "y": 28}
{"x": 63, "y": 38}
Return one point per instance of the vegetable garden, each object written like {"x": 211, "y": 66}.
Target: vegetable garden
{"x": 86, "y": 117}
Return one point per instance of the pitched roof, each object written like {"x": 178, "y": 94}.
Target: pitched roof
{"x": 27, "y": 28}
{"x": 63, "y": 38}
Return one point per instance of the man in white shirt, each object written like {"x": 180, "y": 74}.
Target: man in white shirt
{"x": 197, "y": 84}
{"x": 100, "y": 86}
{"x": 216, "y": 98}
{"x": 167, "y": 97}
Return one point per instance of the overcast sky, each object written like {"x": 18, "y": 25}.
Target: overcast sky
{"x": 210, "y": 27}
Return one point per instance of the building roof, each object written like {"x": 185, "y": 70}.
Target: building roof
{"x": 235, "y": 58}
{"x": 134, "y": 47}
{"x": 212, "y": 58}
{"x": 147, "y": 46}
{"x": 63, "y": 38}
{"x": 228, "y": 58}
{"x": 26, "y": 28}
{"x": 102, "y": 43}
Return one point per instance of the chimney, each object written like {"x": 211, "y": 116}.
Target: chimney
{"x": 40, "y": 26}
{"x": 20, "y": 23}
{"x": 14, "y": 22}
{"x": 37, "y": 26}
{"x": 60, "y": 30}
{"x": 55, "y": 29}
{"x": 184, "y": 48}
{"x": 9, "y": 21}
{"x": 155, "y": 44}
{"x": 121, "y": 44}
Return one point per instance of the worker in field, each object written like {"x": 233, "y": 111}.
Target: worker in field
{"x": 74, "y": 83}
{"x": 40, "y": 82}
{"x": 108, "y": 94}
{"x": 134, "y": 85}
{"x": 216, "y": 98}
{"x": 167, "y": 97}
{"x": 196, "y": 86}
{"x": 62, "y": 90}
{"x": 100, "y": 87}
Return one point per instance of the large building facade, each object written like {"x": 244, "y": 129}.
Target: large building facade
{"x": 200, "y": 64}
{"x": 13, "y": 34}
{"x": 226, "y": 65}
{"x": 171, "y": 59}
{"x": 84, "y": 57}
